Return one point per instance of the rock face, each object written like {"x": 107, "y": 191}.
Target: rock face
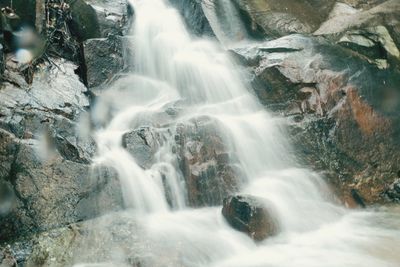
{"x": 44, "y": 169}
{"x": 374, "y": 32}
{"x": 278, "y": 18}
{"x": 103, "y": 59}
{"x": 342, "y": 107}
{"x": 250, "y": 215}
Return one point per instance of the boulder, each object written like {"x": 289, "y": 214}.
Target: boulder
{"x": 250, "y": 215}
{"x": 142, "y": 144}
{"x": 206, "y": 161}
{"x": 84, "y": 23}
{"x": 341, "y": 106}
{"x": 103, "y": 59}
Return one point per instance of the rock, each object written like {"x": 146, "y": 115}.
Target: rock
{"x": 278, "y": 18}
{"x": 111, "y": 240}
{"x": 206, "y": 161}
{"x": 2, "y": 62}
{"x": 84, "y": 23}
{"x": 250, "y": 215}
{"x": 392, "y": 193}
{"x": 346, "y": 121}
{"x": 113, "y": 16}
{"x": 103, "y": 59}
{"x": 7, "y": 258}
{"x": 374, "y": 32}
{"x": 143, "y": 143}
{"x": 193, "y": 14}
{"x": 44, "y": 166}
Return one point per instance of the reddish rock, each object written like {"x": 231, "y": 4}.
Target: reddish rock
{"x": 250, "y": 215}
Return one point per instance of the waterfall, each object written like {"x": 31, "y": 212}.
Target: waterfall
{"x": 195, "y": 78}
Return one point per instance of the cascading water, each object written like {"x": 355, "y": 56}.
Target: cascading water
{"x": 172, "y": 70}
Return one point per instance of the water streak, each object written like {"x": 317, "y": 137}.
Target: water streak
{"x": 195, "y": 78}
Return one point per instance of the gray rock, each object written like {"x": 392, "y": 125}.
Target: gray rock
{"x": 143, "y": 143}
{"x": 251, "y": 215}
{"x": 44, "y": 171}
{"x": 103, "y": 60}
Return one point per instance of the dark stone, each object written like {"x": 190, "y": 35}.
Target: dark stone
{"x": 2, "y": 62}
{"x": 194, "y": 16}
{"x": 103, "y": 60}
{"x": 357, "y": 198}
{"x": 250, "y": 215}
{"x": 84, "y": 23}
{"x": 25, "y": 9}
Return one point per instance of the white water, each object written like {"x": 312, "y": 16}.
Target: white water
{"x": 174, "y": 69}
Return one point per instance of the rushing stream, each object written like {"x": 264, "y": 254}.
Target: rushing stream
{"x": 175, "y": 71}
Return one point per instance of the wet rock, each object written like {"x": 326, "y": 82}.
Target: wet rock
{"x": 193, "y": 14}
{"x": 207, "y": 162}
{"x": 103, "y": 60}
{"x": 203, "y": 155}
{"x": 285, "y": 17}
{"x": 250, "y": 215}
{"x": 345, "y": 122}
{"x": 143, "y": 143}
